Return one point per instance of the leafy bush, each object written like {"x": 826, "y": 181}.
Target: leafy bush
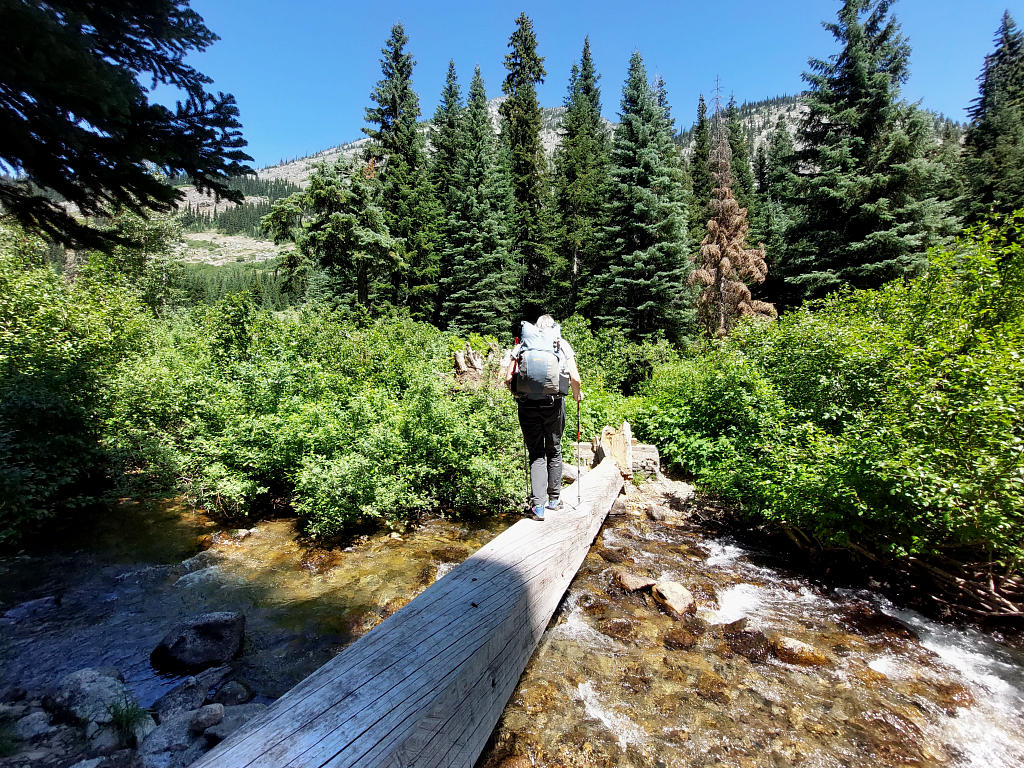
{"x": 889, "y": 419}
{"x": 61, "y": 342}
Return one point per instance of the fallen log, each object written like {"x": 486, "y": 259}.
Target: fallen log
{"x": 427, "y": 686}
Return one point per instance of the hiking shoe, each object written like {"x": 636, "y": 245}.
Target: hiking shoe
{"x": 538, "y": 512}
{"x": 553, "y": 504}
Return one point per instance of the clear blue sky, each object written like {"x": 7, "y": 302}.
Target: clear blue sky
{"x": 302, "y": 70}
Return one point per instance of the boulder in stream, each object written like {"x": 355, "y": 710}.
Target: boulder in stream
{"x": 791, "y": 651}
{"x": 189, "y": 694}
{"x": 208, "y": 639}
{"x": 674, "y": 598}
{"x": 630, "y": 582}
{"x": 88, "y": 695}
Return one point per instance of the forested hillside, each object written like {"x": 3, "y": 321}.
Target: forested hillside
{"x": 812, "y": 304}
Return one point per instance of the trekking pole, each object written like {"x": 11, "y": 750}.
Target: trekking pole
{"x": 579, "y": 491}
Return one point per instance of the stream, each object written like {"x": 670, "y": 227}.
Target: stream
{"x": 614, "y": 682}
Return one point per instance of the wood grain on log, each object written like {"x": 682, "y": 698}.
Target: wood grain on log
{"x": 426, "y": 687}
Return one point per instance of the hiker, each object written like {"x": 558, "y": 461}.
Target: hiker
{"x": 541, "y": 372}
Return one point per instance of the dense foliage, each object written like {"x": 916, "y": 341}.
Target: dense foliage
{"x": 888, "y": 419}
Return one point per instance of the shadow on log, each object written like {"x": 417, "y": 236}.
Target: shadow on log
{"x": 427, "y": 686}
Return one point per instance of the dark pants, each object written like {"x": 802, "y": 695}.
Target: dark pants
{"x": 542, "y": 427}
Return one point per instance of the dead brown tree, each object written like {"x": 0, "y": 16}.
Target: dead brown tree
{"x": 727, "y": 268}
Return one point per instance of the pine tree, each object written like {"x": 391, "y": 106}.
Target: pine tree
{"x": 776, "y": 193}
{"x": 411, "y": 210}
{"x": 994, "y": 143}
{"x": 727, "y": 265}
{"x": 700, "y": 174}
{"x": 479, "y": 289}
{"x": 581, "y": 168}
{"x": 521, "y": 122}
{"x": 641, "y": 288}
{"x": 742, "y": 173}
{"x": 869, "y": 203}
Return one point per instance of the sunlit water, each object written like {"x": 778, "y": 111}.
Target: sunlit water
{"x": 611, "y": 685}
{"x": 614, "y": 682}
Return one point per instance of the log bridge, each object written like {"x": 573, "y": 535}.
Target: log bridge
{"x": 427, "y": 686}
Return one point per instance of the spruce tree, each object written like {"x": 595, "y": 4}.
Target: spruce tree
{"x": 742, "y": 173}
{"x": 521, "y": 123}
{"x": 411, "y": 210}
{"x": 869, "y": 202}
{"x": 776, "y": 193}
{"x": 641, "y": 288}
{"x": 581, "y": 168}
{"x": 447, "y": 135}
{"x": 727, "y": 266}
{"x": 700, "y": 174}
{"x": 478, "y": 291}
{"x": 994, "y": 143}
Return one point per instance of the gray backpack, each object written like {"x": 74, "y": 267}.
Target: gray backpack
{"x": 540, "y": 371}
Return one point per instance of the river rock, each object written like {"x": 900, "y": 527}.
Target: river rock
{"x": 13, "y": 695}
{"x": 656, "y": 512}
{"x": 674, "y": 598}
{"x": 88, "y": 696}
{"x": 614, "y": 556}
{"x": 103, "y": 739}
{"x": 791, "y": 651}
{"x": 172, "y": 735}
{"x": 206, "y": 717}
{"x": 712, "y": 686}
{"x": 619, "y": 628}
{"x": 630, "y": 582}
{"x": 234, "y": 718}
{"x": 33, "y": 726}
{"x": 752, "y": 645}
{"x": 92, "y": 762}
{"x": 232, "y": 693}
{"x": 189, "y": 694}
{"x": 31, "y": 609}
{"x": 211, "y": 638}
{"x": 679, "y": 639}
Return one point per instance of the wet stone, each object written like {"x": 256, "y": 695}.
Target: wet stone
{"x": 233, "y": 693}
{"x": 187, "y": 695}
{"x": 752, "y": 645}
{"x": 449, "y": 554}
{"x": 791, "y": 651}
{"x": 321, "y": 560}
{"x": 630, "y": 582}
{"x": 620, "y": 629}
{"x": 734, "y": 627}
{"x": 674, "y": 598}
{"x": 711, "y": 686}
{"x": 679, "y": 639}
{"x": 868, "y": 620}
{"x": 614, "y": 556}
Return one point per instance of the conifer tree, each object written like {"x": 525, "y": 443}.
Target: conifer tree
{"x": 700, "y": 174}
{"x": 338, "y": 223}
{"x": 994, "y": 143}
{"x": 581, "y": 168}
{"x": 869, "y": 202}
{"x": 521, "y": 123}
{"x": 397, "y": 149}
{"x": 641, "y": 288}
{"x": 447, "y": 135}
{"x": 742, "y": 172}
{"x": 727, "y": 266}
{"x": 478, "y": 291}
{"x": 776, "y": 197}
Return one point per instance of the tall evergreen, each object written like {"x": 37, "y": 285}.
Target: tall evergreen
{"x": 446, "y": 141}
{"x": 776, "y": 194}
{"x": 521, "y": 122}
{"x": 397, "y": 149}
{"x": 869, "y": 202}
{"x": 641, "y": 290}
{"x": 742, "y": 172}
{"x": 479, "y": 288}
{"x": 994, "y": 143}
{"x": 581, "y": 168}
{"x": 700, "y": 174}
